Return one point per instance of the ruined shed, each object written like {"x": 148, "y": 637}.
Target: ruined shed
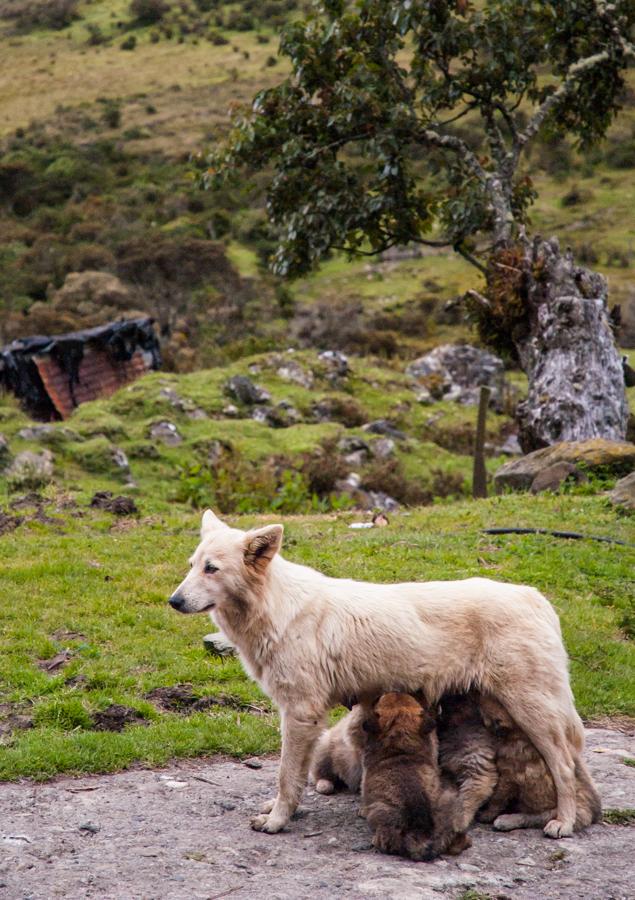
{"x": 52, "y": 375}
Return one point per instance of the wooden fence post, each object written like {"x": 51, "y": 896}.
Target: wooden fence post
{"x": 479, "y": 477}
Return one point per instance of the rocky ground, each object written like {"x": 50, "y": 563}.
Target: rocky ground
{"x": 182, "y": 832}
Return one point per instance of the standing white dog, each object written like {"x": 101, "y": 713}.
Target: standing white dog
{"x": 312, "y": 642}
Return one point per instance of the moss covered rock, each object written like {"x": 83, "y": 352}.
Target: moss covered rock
{"x": 617, "y": 457}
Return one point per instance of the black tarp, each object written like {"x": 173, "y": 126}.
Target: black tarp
{"x": 119, "y": 340}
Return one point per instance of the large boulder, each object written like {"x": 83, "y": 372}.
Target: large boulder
{"x": 623, "y": 494}
{"x": 596, "y": 453}
{"x": 457, "y": 371}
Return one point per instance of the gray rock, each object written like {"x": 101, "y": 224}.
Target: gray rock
{"x": 623, "y": 494}
{"x": 461, "y": 369}
{"x": 167, "y": 433}
{"x": 120, "y": 459}
{"x": 217, "y": 644}
{"x": 384, "y": 427}
{"x": 292, "y": 371}
{"x": 383, "y": 448}
{"x": 511, "y": 446}
{"x": 30, "y": 469}
{"x": 424, "y": 396}
{"x": 242, "y": 388}
{"x": 351, "y": 444}
{"x": 231, "y": 411}
{"x": 337, "y": 362}
{"x": 350, "y": 484}
{"x": 282, "y": 415}
{"x": 183, "y": 405}
{"x": 356, "y": 458}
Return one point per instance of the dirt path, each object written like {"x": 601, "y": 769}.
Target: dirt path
{"x": 182, "y": 834}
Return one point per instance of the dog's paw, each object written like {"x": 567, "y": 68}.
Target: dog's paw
{"x": 268, "y": 806}
{"x": 508, "y": 823}
{"x": 555, "y": 828}
{"x": 268, "y": 824}
{"x": 324, "y": 786}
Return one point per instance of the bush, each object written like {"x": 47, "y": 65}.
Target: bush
{"x": 324, "y": 467}
{"x": 147, "y": 12}
{"x": 621, "y": 155}
{"x": 31, "y": 14}
{"x": 129, "y": 44}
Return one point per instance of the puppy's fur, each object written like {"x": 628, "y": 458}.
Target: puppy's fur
{"x": 525, "y": 789}
{"x": 312, "y": 641}
{"x": 403, "y": 800}
{"x": 467, "y": 754}
{"x": 337, "y": 760}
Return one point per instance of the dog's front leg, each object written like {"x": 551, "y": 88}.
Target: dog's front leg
{"x": 299, "y": 734}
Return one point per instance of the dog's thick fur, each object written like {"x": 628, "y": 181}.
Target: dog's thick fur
{"x": 337, "y": 759}
{"x": 403, "y": 800}
{"x": 525, "y": 792}
{"x": 312, "y": 641}
{"x": 467, "y": 754}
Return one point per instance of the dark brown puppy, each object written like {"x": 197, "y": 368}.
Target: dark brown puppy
{"x": 525, "y": 791}
{"x": 403, "y": 799}
{"x": 467, "y": 754}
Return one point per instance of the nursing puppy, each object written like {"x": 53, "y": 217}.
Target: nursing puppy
{"x": 403, "y": 800}
{"x": 312, "y": 641}
{"x": 337, "y": 760}
{"x": 467, "y": 754}
{"x": 525, "y": 789}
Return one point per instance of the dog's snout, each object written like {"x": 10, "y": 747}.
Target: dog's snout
{"x": 177, "y": 601}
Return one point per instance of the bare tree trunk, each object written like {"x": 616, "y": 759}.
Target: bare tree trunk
{"x": 568, "y": 351}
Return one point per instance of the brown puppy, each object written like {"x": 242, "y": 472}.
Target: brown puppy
{"x": 525, "y": 788}
{"x": 467, "y": 754}
{"x": 409, "y": 810}
{"x": 337, "y": 760}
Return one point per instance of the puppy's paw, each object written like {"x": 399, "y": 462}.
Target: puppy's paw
{"x": 269, "y": 824}
{"x": 508, "y": 823}
{"x": 268, "y": 806}
{"x": 324, "y": 786}
{"x": 555, "y": 828}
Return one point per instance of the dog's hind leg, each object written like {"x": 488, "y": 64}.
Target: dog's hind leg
{"x": 298, "y": 739}
{"x": 546, "y": 728}
{"x": 524, "y": 820}
{"x": 475, "y": 790}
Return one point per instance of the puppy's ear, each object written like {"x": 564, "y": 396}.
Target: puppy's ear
{"x": 428, "y": 723}
{"x": 371, "y": 724}
{"x": 261, "y": 545}
{"x": 210, "y": 523}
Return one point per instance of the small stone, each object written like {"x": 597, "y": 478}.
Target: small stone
{"x": 217, "y": 644}
{"x": 468, "y": 867}
{"x": 175, "y": 785}
{"x": 383, "y": 448}
{"x": 252, "y": 763}
{"x": 90, "y": 827}
{"x": 242, "y": 388}
{"x": 231, "y": 411}
{"x": 553, "y": 477}
{"x": 526, "y": 861}
{"x": 384, "y": 427}
{"x": 166, "y": 432}
{"x": 271, "y": 862}
{"x": 361, "y": 847}
{"x": 226, "y": 805}
{"x": 292, "y": 371}
{"x": 623, "y": 494}
{"x": 332, "y": 841}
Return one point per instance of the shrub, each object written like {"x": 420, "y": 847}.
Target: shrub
{"x": 31, "y": 14}
{"x": 621, "y": 155}
{"x": 111, "y": 114}
{"x": 147, "y": 12}
{"x": 129, "y": 44}
{"x": 324, "y": 467}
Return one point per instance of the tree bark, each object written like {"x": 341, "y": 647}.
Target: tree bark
{"x": 568, "y": 352}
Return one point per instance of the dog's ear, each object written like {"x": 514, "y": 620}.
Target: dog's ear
{"x": 261, "y": 545}
{"x": 210, "y": 523}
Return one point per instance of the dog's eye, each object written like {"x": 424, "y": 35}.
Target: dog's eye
{"x": 210, "y": 568}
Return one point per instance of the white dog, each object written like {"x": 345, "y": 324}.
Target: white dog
{"x": 312, "y": 642}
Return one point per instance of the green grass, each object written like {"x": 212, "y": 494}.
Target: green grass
{"x": 619, "y": 816}
{"x": 109, "y": 586}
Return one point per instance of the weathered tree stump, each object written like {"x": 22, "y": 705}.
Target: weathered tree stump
{"x": 566, "y": 347}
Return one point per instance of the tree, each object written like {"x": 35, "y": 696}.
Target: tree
{"x": 369, "y": 151}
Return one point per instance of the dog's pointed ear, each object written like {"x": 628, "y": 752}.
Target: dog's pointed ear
{"x": 261, "y": 545}
{"x": 210, "y": 522}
